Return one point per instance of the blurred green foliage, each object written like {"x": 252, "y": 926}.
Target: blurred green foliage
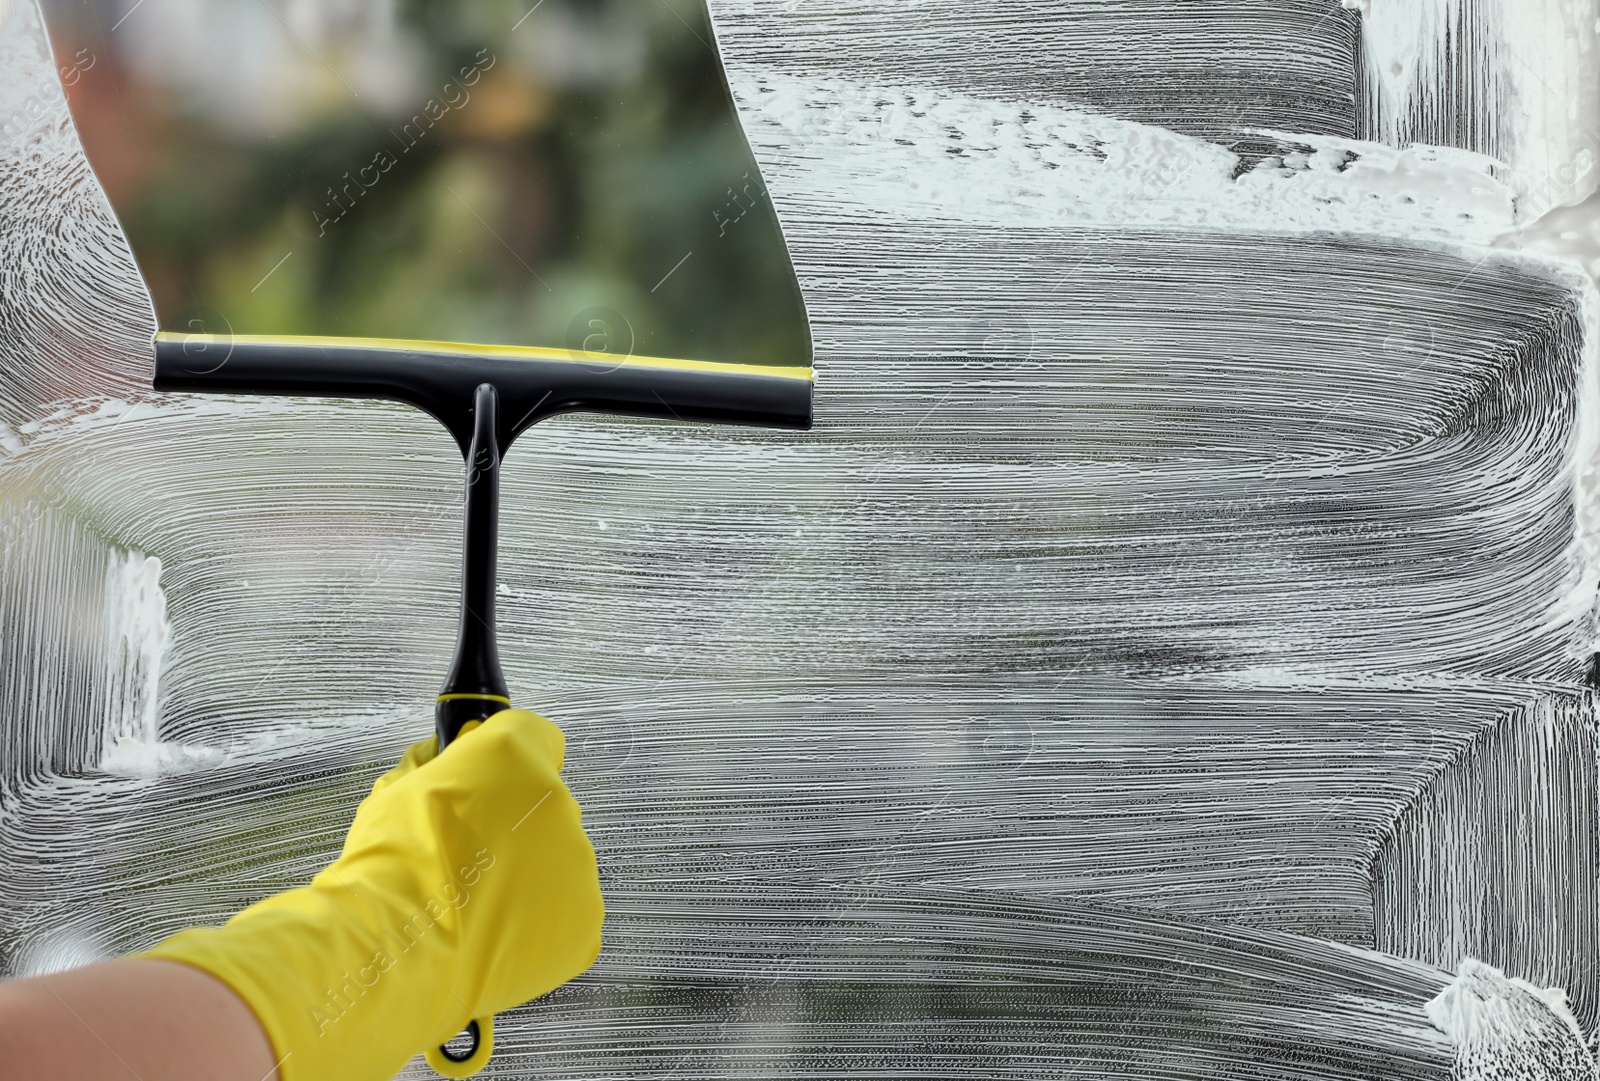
{"x": 562, "y": 173}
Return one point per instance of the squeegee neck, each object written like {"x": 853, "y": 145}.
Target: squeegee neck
{"x": 476, "y": 686}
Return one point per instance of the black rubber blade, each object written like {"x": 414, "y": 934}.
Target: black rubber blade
{"x": 441, "y": 378}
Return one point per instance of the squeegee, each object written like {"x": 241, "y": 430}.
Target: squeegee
{"x": 485, "y": 396}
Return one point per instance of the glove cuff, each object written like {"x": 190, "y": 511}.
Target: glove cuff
{"x": 336, "y": 998}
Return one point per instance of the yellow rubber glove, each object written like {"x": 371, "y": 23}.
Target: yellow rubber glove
{"x": 466, "y": 887}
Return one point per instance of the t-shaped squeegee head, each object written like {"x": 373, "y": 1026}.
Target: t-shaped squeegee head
{"x": 485, "y": 396}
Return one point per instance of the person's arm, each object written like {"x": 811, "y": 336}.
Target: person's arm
{"x": 130, "y": 1019}
{"x": 466, "y": 886}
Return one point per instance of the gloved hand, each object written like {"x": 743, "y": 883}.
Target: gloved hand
{"x": 466, "y": 886}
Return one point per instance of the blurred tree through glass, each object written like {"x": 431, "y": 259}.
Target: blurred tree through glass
{"x": 565, "y": 173}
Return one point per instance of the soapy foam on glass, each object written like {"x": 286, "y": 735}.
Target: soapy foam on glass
{"x": 1169, "y": 645}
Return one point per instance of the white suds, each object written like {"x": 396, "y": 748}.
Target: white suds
{"x": 907, "y": 152}
{"x": 137, "y": 624}
{"x": 1506, "y": 1028}
{"x": 58, "y": 949}
{"x": 1526, "y": 71}
{"x": 137, "y": 621}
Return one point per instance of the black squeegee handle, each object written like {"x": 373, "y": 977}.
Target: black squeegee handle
{"x": 476, "y": 688}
